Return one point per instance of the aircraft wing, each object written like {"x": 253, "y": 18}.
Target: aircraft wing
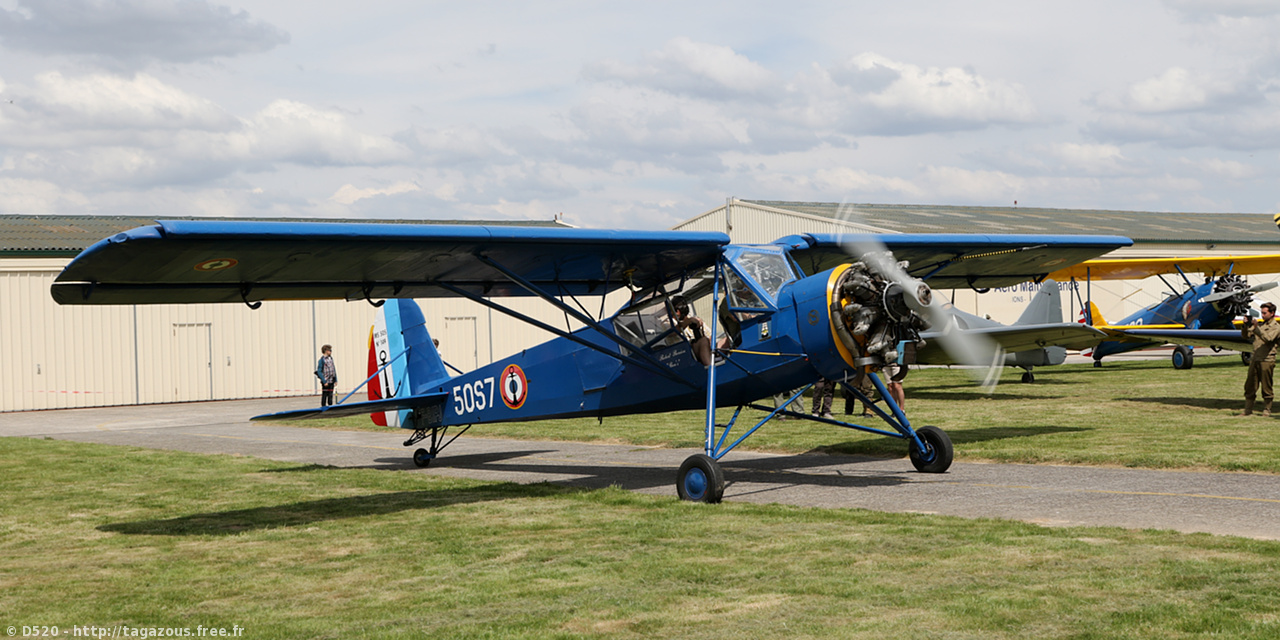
{"x": 1219, "y": 338}
{"x": 1139, "y": 268}
{"x": 358, "y": 408}
{"x": 1015, "y": 338}
{"x": 232, "y": 261}
{"x": 961, "y": 261}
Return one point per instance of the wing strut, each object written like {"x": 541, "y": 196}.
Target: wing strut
{"x": 658, "y": 369}
{"x": 587, "y": 320}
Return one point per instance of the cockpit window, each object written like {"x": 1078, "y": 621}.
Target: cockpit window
{"x": 740, "y": 295}
{"x": 769, "y": 270}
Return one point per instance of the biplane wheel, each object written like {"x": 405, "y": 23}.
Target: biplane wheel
{"x": 1097, "y": 364}
{"x": 1028, "y": 377}
{"x": 1245, "y": 357}
{"x": 422, "y": 458}
{"x": 1183, "y": 358}
{"x": 938, "y": 451}
{"x": 700, "y": 479}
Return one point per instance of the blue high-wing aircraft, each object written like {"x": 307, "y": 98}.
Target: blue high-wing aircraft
{"x": 775, "y": 328}
{"x": 1200, "y": 314}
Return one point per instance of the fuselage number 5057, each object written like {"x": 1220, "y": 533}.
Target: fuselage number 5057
{"x": 473, "y": 396}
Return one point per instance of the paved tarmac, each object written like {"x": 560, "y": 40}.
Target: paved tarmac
{"x": 1219, "y": 503}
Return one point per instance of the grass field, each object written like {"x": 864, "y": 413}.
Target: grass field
{"x": 104, "y": 536}
{"x": 1133, "y": 413}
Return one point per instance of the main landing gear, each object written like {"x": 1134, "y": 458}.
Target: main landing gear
{"x": 1183, "y": 358}
{"x": 422, "y": 457}
{"x": 701, "y": 479}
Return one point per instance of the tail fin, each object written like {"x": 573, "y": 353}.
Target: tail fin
{"x": 1095, "y": 317}
{"x": 1045, "y": 307}
{"x": 400, "y": 336}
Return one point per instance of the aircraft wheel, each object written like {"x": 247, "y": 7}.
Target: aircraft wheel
{"x": 938, "y": 453}
{"x": 1182, "y": 357}
{"x": 1097, "y": 364}
{"x": 1245, "y": 357}
{"x": 1028, "y": 377}
{"x": 700, "y": 480}
{"x": 422, "y": 458}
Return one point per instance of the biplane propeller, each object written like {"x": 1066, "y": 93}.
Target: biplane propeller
{"x": 774, "y": 328}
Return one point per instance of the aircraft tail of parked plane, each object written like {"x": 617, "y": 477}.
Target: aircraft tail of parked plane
{"x": 403, "y": 357}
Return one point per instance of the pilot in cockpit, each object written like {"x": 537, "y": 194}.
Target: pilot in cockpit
{"x": 694, "y": 328}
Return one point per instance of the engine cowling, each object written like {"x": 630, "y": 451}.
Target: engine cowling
{"x": 850, "y": 318}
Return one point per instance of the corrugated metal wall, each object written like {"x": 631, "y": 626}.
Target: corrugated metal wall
{"x": 55, "y": 356}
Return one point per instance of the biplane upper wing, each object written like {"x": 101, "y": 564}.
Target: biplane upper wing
{"x": 958, "y": 261}
{"x": 1139, "y": 268}
{"x": 232, "y": 261}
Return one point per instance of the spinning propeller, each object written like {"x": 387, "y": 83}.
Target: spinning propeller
{"x": 1232, "y": 295}
{"x": 905, "y": 306}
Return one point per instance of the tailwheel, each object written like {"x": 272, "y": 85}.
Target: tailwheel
{"x": 422, "y": 458}
{"x": 938, "y": 453}
{"x": 700, "y": 479}
{"x": 1183, "y": 357}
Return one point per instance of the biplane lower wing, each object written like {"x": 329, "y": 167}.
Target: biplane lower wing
{"x": 1212, "y": 338}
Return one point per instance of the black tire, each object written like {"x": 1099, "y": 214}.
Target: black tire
{"x": 938, "y": 454}
{"x": 1097, "y": 363}
{"x": 1028, "y": 377}
{"x": 1183, "y": 358}
{"x": 422, "y": 458}
{"x": 1246, "y": 357}
{"x": 700, "y": 480}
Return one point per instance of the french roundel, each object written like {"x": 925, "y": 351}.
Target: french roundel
{"x": 515, "y": 387}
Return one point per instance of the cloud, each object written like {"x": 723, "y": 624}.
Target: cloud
{"x": 1179, "y": 90}
{"x": 1205, "y": 10}
{"x": 888, "y": 97}
{"x": 135, "y": 31}
{"x": 348, "y": 194}
{"x": 102, "y": 101}
{"x": 688, "y": 68}
{"x": 104, "y": 130}
{"x": 18, "y": 195}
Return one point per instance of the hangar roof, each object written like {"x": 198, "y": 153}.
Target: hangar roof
{"x": 1142, "y": 226}
{"x": 55, "y": 236}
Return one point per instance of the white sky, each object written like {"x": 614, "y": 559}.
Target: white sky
{"x": 635, "y": 115}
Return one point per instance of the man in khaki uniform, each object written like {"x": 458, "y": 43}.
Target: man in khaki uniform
{"x": 1265, "y": 334}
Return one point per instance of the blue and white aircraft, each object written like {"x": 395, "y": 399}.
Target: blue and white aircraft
{"x": 775, "y": 329}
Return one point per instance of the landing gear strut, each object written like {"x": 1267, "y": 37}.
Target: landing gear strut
{"x": 423, "y": 457}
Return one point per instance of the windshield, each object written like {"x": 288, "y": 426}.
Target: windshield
{"x": 769, "y": 270}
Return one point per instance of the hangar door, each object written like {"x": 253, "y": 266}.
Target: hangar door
{"x": 191, "y": 370}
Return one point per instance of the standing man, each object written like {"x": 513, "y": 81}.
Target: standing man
{"x": 1264, "y": 333}
{"x": 328, "y": 375}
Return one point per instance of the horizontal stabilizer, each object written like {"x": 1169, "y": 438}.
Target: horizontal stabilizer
{"x": 359, "y": 408}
